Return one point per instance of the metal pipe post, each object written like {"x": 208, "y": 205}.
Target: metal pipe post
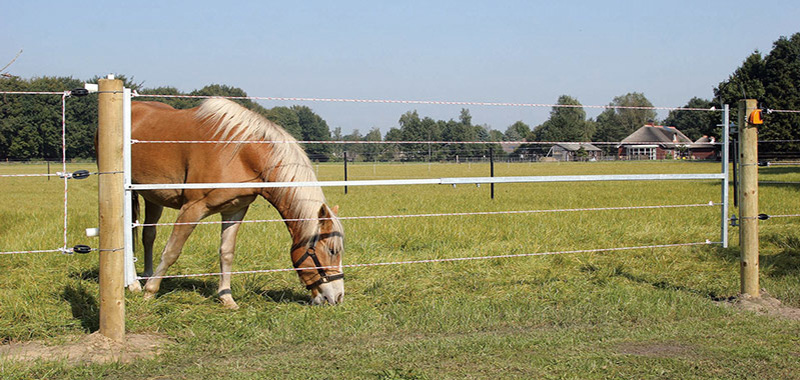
{"x": 345, "y": 170}
{"x": 130, "y": 269}
{"x": 491, "y": 168}
{"x": 725, "y": 171}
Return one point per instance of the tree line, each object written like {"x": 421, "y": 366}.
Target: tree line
{"x": 30, "y": 126}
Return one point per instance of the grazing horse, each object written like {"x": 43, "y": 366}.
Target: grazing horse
{"x": 317, "y": 234}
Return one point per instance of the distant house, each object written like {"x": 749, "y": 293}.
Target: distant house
{"x": 705, "y": 148}
{"x": 510, "y": 148}
{"x": 571, "y": 152}
{"x": 654, "y": 142}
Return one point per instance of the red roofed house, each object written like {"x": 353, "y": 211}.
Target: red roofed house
{"x": 654, "y": 142}
{"x": 705, "y": 148}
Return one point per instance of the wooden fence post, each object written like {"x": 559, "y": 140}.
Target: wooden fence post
{"x": 111, "y": 202}
{"x": 748, "y": 199}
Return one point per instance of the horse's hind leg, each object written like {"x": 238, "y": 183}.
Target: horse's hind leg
{"x": 152, "y": 213}
{"x": 226, "y": 249}
{"x": 189, "y": 213}
{"x": 135, "y": 286}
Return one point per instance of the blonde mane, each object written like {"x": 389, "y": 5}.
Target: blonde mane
{"x": 287, "y": 161}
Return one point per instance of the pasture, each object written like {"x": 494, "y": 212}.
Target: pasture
{"x": 651, "y": 313}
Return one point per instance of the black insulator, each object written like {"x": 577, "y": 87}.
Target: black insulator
{"x": 80, "y": 248}
{"x": 80, "y": 174}
{"x": 763, "y": 216}
{"x": 763, "y": 163}
{"x": 79, "y": 92}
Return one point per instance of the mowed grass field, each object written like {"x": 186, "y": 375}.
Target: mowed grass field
{"x": 647, "y": 313}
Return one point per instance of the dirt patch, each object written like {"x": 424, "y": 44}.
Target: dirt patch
{"x": 766, "y": 304}
{"x": 93, "y": 348}
{"x": 656, "y": 350}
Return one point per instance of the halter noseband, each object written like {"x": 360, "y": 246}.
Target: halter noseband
{"x": 324, "y": 278}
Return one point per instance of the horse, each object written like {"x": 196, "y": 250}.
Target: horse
{"x": 317, "y": 234}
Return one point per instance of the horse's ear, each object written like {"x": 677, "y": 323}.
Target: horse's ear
{"x": 325, "y": 216}
{"x": 335, "y": 210}
{"x": 323, "y": 212}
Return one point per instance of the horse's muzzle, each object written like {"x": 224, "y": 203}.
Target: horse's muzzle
{"x": 331, "y": 293}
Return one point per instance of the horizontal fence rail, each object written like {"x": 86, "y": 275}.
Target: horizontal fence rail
{"x": 434, "y": 181}
{"x": 418, "y": 142}
{"x": 366, "y": 217}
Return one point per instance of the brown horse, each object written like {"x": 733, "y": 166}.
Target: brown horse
{"x": 315, "y": 243}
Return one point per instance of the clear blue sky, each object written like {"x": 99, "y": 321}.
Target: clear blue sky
{"x": 497, "y": 51}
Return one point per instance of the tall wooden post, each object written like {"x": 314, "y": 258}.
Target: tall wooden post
{"x": 111, "y": 202}
{"x": 748, "y": 199}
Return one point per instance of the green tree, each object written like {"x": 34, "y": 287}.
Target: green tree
{"x": 495, "y": 135}
{"x": 695, "y": 124}
{"x": 517, "y": 131}
{"x": 459, "y": 131}
{"x": 412, "y": 129}
{"x": 391, "y": 151}
{"x": 782, "y": 91}
{"x": 615, "y": 123}
{"x": 565, "y": 123}
{"x": 774, "y": 81}
{"x": 745, "y": 82}
{"x": 286, "y": 118}
{"x": 373, "y": 151}
{"x": 313, "y": 128}
{"x": 179, "y": 103}
{"x": 30, "y": 125}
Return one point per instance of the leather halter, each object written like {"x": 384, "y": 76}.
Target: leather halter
{"x": 324, "y": 278}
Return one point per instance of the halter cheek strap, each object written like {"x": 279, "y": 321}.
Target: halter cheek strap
{"x": 324, "y": 278}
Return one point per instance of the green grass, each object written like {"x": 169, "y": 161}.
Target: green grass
{"x": 630, "y": 314}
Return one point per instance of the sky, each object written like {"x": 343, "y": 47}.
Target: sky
{"x": 476, "y": 51}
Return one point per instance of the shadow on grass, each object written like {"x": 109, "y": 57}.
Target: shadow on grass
{"x": 777, "y": 170}
{"x": 207, "y": 288}
{"x": 84, "y": 307}
{"x": 666, "y": 285}
{"x": 730, "y": 254}
{"x": 92, "y": 275}
{"x": 285, "y": 295}
{"x": 785, "y": 263}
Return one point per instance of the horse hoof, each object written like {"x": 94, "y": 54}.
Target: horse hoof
{"x": 136, "y": 287}
{"x": 228, "y": 302}
{"x": 149, "y": 295}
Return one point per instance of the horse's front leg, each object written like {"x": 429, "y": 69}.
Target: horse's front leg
{"x": 226, "y": 248}
{"x": 188, "y": 214}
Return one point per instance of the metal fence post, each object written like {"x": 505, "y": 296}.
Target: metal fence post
{"x": 345, "y": 170}
{"x": 725, "y": 171}
{"x": 491, "y": 168}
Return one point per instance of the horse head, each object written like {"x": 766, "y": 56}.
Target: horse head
{"x": 322, "y": 253}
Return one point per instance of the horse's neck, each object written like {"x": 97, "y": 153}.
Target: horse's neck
{"x": 298, "y": 219}
{"x": 292, "y": 202}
